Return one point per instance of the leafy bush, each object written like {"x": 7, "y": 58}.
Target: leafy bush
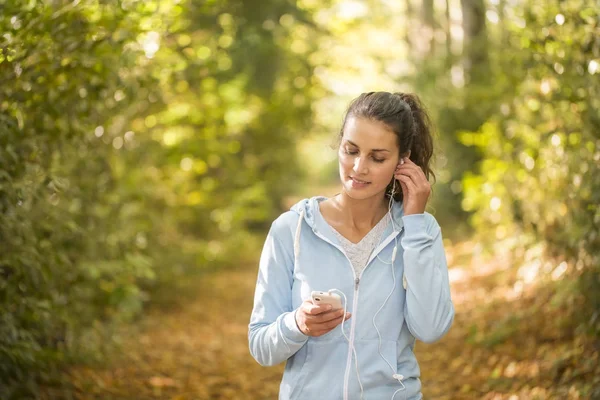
{"x": 139, "y": 142}
{"x": 539, "y": 175}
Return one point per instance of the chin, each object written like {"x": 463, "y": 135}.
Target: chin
{"x": 360, "y": 194}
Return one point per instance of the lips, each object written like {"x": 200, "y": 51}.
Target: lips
{"x": 355, "y": 180}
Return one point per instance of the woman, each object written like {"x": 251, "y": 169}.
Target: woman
{"x": 376, "y": 246}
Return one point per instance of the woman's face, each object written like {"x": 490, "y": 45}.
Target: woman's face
{"x": 368, "y": 156}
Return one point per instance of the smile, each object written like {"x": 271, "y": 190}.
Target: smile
{"x": 358, "y": 180}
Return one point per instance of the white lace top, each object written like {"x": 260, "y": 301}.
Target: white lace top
{"x": 359, "y": 253}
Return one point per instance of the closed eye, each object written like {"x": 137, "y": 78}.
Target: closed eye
{"x": 355, "y": 152}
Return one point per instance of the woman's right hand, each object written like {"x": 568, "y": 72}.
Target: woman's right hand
{"x": 317, "y": 320}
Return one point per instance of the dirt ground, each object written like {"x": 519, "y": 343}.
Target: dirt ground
{"x": 497, "y": 348}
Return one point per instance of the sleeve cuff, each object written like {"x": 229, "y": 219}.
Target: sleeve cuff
{"x": 291, "y": 330}
{"x": 414, "y": 224}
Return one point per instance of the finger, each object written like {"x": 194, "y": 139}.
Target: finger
{"x": 406, "y": 162}
{"x": 417, "y": 184}
{"x": 324, "y": 317}
{"x": 412, "y": 166}
{"x": 337, "y": 321}
{"x": 410, "y": 185}
{"x": 321, "y": 329}
{"x": 313, "y": 309}
{"x": 328, "y": 316}
{"x": 334, "y": 322}
{"x": 327, "y": 326}
{"x": 400, "y": 175}
{"x": 306, "y": 306}
{"x": 407, "y": 171}
{"x": 404, "y": 188}
{"x": 415, "y": 176}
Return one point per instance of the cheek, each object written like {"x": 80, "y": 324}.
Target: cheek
{"x": 345, "y": 161}
{"x": 385, "y": 174}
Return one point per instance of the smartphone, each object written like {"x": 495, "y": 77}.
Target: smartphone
{"x": 322, "y": 298}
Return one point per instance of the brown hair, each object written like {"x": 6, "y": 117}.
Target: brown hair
{"x": 406, "y": 116}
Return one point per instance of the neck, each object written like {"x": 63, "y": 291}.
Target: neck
{"x": 364, "y": 213}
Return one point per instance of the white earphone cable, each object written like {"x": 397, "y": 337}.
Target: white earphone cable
{"x": 393, "y": 227}
{"x": 395, "y": 375}
{"x": 348, "y": 340}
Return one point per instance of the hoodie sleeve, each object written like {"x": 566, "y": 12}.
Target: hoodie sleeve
{"x": 428, "y": 309}
{"x": 273, "y": 333}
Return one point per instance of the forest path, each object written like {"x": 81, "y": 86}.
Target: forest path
{"x": 198, "y": 349}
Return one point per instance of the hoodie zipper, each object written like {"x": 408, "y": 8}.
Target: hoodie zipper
{"x": 354, "y": 305}
{"x": 390, "y": 237}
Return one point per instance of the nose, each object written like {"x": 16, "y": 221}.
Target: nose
{"x": 360, "y": 166}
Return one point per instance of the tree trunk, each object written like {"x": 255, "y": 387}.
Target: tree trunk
{"x": 408, "y": 30}
{"x": 448, "y": 26}
{"x": 429, "y": 24}
{"x": 502, "y": 22}
{"x": 475, "y": 45}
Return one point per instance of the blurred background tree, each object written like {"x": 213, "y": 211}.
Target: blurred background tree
{"x": 144, "y": 142}
{"x": 140, "y": 142}
{"x": 539, "y": 148}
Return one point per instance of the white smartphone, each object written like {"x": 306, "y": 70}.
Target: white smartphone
{"x": 322, "y": 298}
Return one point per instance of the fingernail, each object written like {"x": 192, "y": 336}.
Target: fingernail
{"x": 328, "y": 307}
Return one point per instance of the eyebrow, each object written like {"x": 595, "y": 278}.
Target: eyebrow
{"x": 355, "y": 145}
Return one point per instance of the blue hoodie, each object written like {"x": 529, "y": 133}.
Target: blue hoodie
{"x": 302, "y": 254}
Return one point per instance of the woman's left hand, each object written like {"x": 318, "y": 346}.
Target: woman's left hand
{"x": 415, "y": 187}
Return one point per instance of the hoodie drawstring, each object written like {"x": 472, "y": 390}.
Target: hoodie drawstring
{"x": 297, "y": 238}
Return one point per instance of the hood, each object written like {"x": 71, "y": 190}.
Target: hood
{"x": 313, "y": 217}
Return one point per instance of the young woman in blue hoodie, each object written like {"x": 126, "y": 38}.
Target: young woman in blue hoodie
{"x": 375, "y": 246}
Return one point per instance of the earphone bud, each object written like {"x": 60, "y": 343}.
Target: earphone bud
{"x": 402, "y": 158}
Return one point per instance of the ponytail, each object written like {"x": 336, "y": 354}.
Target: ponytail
{"x": 421, "y": 143}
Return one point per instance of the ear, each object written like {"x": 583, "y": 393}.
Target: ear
{"x": 401, "y": 161}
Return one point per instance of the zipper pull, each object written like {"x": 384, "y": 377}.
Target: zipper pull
{"x": 356, "y": 282}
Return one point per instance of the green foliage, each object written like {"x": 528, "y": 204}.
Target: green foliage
{"x": 139, "y": 142}
{"x": 64, "y": 263}
{"x": 539, "y": 174}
